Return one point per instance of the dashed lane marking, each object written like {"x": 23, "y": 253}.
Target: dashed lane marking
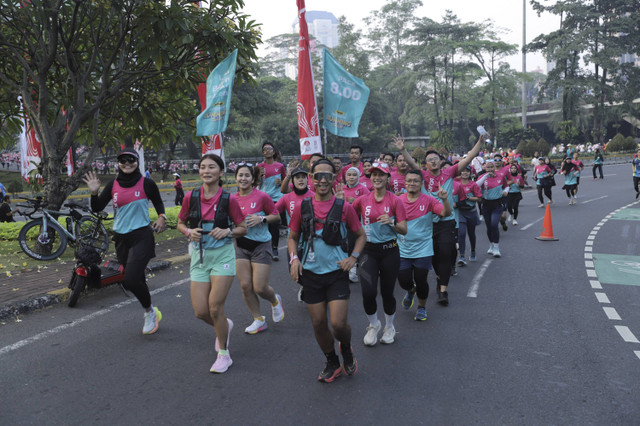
{"x": 475, "y": 282}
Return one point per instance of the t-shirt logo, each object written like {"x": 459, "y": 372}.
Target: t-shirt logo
{"x": 422, "y": 207}
{"x": 253, "y": 205}
{"x": 137, "y": 194}
{"x": 367, "y": 213}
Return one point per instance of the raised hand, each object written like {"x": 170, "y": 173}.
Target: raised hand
{"x": 399, "y": 142}
{"x": 92, "y": 181}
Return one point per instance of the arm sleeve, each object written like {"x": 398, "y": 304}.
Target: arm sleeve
{"x": 153, "y": 193}
{"x": 480, "y": 181}
{"x": 99, "y": 202}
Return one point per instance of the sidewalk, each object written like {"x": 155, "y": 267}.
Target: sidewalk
{"x": 34, "y": 289}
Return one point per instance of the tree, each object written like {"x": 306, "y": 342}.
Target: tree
{"x": 119, "y": 69}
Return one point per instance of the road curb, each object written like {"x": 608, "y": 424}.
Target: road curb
{"x": 36, "y": 303}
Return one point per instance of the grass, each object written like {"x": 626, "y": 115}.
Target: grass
{"x": 12, "y": 258}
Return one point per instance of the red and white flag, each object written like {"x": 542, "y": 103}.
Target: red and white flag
{"x": 30, "y": 148}
{"x": 308, "y": 122}
{"x": 68, "y": 161}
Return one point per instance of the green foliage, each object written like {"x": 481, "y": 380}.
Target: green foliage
{"x": 418, "y": 154}
{"x": 529, "y": 147}
{"x": 10, "y": 230}
{"x": 620, "y": 143}
{"x": 513, "y": 135}
{"x": 568, "y": 133}
{"x": 14, "y": 187}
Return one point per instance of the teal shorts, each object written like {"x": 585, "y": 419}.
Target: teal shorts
{"x": 219, "y": 261}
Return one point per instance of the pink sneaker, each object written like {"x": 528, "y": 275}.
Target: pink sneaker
{"x": 217, "y": 345}
{"x": 222, "y": 364}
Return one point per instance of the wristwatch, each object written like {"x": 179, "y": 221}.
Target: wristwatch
{"x": 355, "y": 254}
{"x": 263, "y": 219}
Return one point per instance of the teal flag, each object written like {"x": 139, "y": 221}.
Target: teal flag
{"x": 214, "y": 117}
{"x": 345, "y": 97}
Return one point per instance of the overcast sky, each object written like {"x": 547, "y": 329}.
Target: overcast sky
{"x": 278, "y": 15}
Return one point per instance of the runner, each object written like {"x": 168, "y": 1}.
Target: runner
{"x": 543, "y": 175}
{"x": 355, "y": 156}
{"x": 253, "y": 257}
{"x": 468, "y": 215}
{"x": 179, "y": 191}
{"x": 383, "y": 217}
{"x": 353, "y": 188}
{"x": 272, "y": 174}
{"x": 580, "y": 165}
{"x": 494, "y": 187}
{"x": 416, "y": 247}
{"x": 398, "y": 175}
{"x": 322, "y": 270}
{"x": 597, "y": 163}
{"x": 571, "y": 171}
{"x": 132, "y": 235}
{"x": 444, "y": 229}
{"x": 515, "y": 194}
{"x": 212, "y": 255}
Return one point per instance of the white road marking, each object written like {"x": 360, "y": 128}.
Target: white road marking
{"x": 591, "y": 273}
{"x": 602, "y": 298}
{"x": 101, "y": 312}
{"x": 588, "y": 264}
{"x": 475, "y": 282}
{"x": 595, "y": 284}
{"x": 524, "y": 228}
{"x": 594, "y": 199}
{"x": 611, "y": 313}
{"x": 637, "y": 353}
{"x": 626, "y": 334}
{"x": 588, "y": 255}
{"x": 588, "y": 249}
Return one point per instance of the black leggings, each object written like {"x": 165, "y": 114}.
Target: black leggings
{"x": 636, "y": 180}
{"x": 547, "y": 192}
{"x": 444, "y": 249}
{"x": 274, "y": 230}
{"x": 377, "y": 262}
{"x": 418, "y": 276}
{"x": 513, "y": 202}
{"x": 134, "y": 250}
{"x": 599, "y": 168}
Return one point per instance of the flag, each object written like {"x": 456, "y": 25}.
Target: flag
{"x": 308, "y": 121}
{"x": 345, "y": 98}
{"x": 213, "y": 145}
{"x": 215, "y": 117}
{"x": 68, "y": 161}
{"x": 140, "y": 150}
{"x": 30, "y": 148}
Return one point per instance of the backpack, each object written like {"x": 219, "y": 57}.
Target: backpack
{"x": 221, "y": 219}
{"x": 331, "y": 234}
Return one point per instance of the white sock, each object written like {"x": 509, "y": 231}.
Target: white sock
{"x": 389, "y": 320}
{"x": 373, "y": 319}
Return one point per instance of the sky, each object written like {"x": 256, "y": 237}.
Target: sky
{"x": 277, "y": 17}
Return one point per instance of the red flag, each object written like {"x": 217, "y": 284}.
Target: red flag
{"x": 308, "y": 122}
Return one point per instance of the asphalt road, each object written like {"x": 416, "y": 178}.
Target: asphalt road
{"x": 530, "y": 338}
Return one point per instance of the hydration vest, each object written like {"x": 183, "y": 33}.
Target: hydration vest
{"x": 221, "y": 218}
{"x": 331, "y": 234}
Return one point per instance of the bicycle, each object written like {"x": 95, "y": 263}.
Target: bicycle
{"x": 45, "y": 238}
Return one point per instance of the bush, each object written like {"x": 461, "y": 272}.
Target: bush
{"x": 620, "y": 143}
{"x": 10, "y": 230}
{"x": 418, "y": 154}
{"x": 14, "y": 187}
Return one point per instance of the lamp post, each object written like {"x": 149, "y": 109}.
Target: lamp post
{"x": 524, "y": 64}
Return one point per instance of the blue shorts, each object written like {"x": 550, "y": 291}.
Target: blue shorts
{"x": 420, "y": 262}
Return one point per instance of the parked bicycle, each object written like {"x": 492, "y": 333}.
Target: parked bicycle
{"x": 45, "y": 238}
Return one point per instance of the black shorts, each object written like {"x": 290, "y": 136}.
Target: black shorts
{"x": 318, "y": 288}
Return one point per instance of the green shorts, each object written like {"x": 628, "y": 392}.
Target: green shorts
{"x": 219, "y": 261}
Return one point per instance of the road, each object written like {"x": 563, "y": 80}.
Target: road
{"x": 547, "y": 334}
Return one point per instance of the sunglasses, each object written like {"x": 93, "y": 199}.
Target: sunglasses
{"x": 245, "y": 164}
{"x": 125, "y": 160}
{"x": 328, "y": 176}
{"x": 382, "y": 165}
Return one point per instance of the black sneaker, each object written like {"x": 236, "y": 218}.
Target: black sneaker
{"x": 454, "y": 272}
{"x": 637, "y": 194}
{"x": 274, "y": 254}
{"x": 349, "y": 363}
{"x": 504, "y": 226}
{"x": 331, "y": 371}
{"x": 443, "y": 298}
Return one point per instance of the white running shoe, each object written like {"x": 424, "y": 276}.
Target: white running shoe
{"x": 514, "y": 223}
{"x": 256, "y": 326}
{"x": 277, "y": 312}
{"x": 388, "y": 335}
{"x": 217, "y": 345}
{"x": 371, "y": 338}
{"x": 222, "y": 364}
{"x": 509, "y": 218}
{"x": 490, "y": 251}
{"x": 496, "y": 251}
{"x": 151, "y": 321}
{"x": 540, "y": 205}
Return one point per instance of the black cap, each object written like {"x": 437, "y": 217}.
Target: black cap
{"x": 299, "y": 170}
{"x": 129, "y": 151}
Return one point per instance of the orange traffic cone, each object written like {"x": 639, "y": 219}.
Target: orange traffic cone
{"x": 547, "y": 227}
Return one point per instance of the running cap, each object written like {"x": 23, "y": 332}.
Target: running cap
{"x": 129, "y": 151}
{"x": 299, "y": 170}
{"x": 381, "y": 167}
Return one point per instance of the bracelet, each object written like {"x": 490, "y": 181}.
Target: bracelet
{"x": 295, "y": 257}
{"x": 162, "y": 215}
{"x": 187, "y": 232}
{"x": 230, "y": 234}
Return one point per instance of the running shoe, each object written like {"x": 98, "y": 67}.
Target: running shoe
{"x": 496, "y": 251}
{"x": 443, "y": 298}
{"x": 637, "y": 194}
{"x": 349, "y": 362}
{"x": 540, "y": 205}
{"x": 490, "y": 251}
{"x": 504, "y": 226}
{"x": 514, "y": 223}
{"x": 277, "y": 312}
{"x": 462, "y": 261}
{"x": 371, "y": 337}
{"x": 256, "y": 326}
{"x": 388, "y": 335}
{"x": 151, "y": 321}
{"x": 553, "y": 203}
{"x": 274, "y": 256}
{"x": 222, "y": 364}
{"x": 472, "y": 258}
{"x": 407, "y": 301}
{"x": 454, "y": 272}
{"x": 509, "y": 218}
{"x": 421, "y": 314}
{"x": 331, "y": 371}
{"x": 217, "y": 345}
